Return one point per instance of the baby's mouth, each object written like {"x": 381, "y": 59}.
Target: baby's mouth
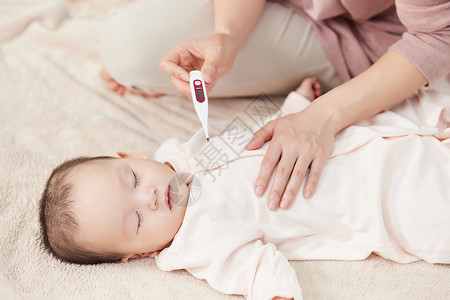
{"x": 169, "y": 197}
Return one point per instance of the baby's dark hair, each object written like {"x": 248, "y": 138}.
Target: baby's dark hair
{"x": 58, "y": 222}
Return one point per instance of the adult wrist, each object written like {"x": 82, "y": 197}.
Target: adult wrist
{"x": 227, "y": 43}
{"x": 230, "y": 35}
{"x": 330, "y": 115}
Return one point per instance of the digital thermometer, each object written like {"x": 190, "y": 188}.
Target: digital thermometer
{"x": 200, "y": 99}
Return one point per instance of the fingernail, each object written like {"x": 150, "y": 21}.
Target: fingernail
{"x": 184, "y": 77}
{"x": 209, "y": 76}
{"x": 284, "y": 203}
{"x": 272, "y": 205}
{"x": 308, "y": 194}
{"x": 251, "y": 140}
{"x": 258, "y": 190}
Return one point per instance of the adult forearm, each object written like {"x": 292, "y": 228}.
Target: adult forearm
{"x": 237, "y": 18}
{"x": 389, "y": 81}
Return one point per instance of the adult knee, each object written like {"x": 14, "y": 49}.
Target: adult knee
{"x": 138, "y": 36}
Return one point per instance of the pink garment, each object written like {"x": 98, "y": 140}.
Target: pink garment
{"x": 384, "y": 190}
{"x": 355, "y": 33}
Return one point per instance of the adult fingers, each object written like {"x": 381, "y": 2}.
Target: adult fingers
{"x": 182, "y": 87}
{"x": 280, "y": 180}
{"x": 210, "y": 86}
{"x": 267, "y": 167}
{"x": 314, "y": 175}
{"x": 264, "y": 134}
{"x": 209, "y": 68}
{"x": 171, "y": 64}
{"x": 295, "y": 181}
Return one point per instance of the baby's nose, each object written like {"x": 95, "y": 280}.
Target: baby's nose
{"x": 152, "y": 198}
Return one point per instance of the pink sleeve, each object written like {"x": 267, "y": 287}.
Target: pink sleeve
{"x": 426, "y": 43}
{"x": 255, "y": 270}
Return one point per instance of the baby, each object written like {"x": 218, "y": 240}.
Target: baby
{"x": 195, "y": 209}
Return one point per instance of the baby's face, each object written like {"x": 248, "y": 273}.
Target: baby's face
{"x": 128, "y": 205}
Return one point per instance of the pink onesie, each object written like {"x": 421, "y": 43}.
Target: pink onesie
{"x": 385, "y": 190}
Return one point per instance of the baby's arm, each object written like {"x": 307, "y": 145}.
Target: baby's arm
{"x": 255, "y": 270}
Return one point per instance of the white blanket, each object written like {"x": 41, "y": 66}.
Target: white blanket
{"x": 54, "y": 106}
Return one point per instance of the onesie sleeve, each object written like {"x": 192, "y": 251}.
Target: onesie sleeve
{"x": 294, "y": 103}
{"x": 426, "y": 43}
{"x": 255, "y": 270}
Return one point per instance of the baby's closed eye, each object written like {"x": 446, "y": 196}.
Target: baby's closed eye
{"x": 139, "y": 221}
{"x": 136, "y": 178}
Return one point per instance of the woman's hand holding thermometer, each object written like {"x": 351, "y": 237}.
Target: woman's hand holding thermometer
{"x": 200, "y": 98}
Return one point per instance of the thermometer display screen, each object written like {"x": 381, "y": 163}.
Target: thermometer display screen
{"x": 199, "y": 93}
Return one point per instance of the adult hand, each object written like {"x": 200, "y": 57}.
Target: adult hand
{"x": 298, "y": 141}
{"x": 213, "y": 55}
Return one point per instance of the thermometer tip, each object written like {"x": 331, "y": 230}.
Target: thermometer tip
{"x": 207, "y": 139}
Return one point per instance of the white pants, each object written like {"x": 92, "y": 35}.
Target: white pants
{"x": 281, "y": 50}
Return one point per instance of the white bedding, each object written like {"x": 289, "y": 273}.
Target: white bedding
{"x": 54, "y": 106}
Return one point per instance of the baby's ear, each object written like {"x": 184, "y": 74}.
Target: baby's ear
{"x": 126, "y": 258}
{"x": 170, "y": 165}
{"x": 131, "y": 155}
{"x": 153, "y": 254}
{"x": 147, "y": 254}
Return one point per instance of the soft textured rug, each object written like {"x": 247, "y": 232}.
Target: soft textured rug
{"x": 54, "y": 106}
